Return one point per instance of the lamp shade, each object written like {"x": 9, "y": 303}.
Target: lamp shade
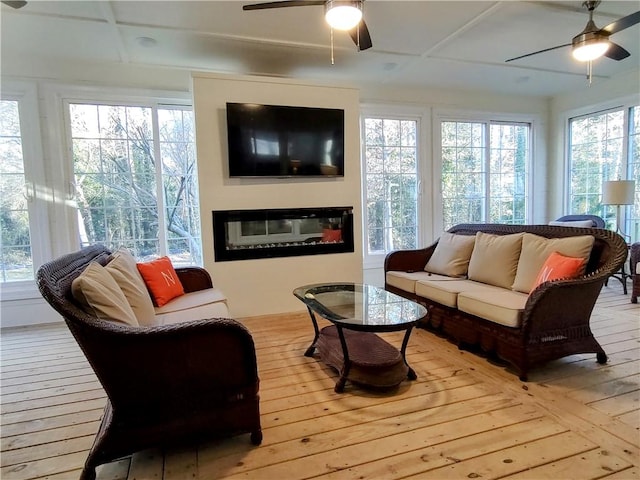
{"x": 618, "y": 192}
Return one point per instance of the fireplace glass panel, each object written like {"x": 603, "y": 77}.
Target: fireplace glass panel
{"x": 251, "y": 227}
{"x": 250, "y": 234}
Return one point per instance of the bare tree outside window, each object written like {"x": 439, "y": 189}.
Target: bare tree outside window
{"x": 484, "y": 172}
{"x": 391, "y": 184}
{"x": 597, "y": 148}
{"x": 16, "y": 261}
{"x": 118, "y": 193}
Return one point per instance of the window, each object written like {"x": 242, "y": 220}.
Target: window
{"x": 16, "y": 259}
{"x": 130, "y": 164}
{"x": 604, "y": 146}
{"x": 485, "y": 172}
{"x": 390, "y": 184}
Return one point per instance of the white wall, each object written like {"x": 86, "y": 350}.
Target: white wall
{"x": 256, "y": 287}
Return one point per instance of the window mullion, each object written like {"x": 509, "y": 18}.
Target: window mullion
{"x": 487, "y": 170}
{"x": 161, "y": 201}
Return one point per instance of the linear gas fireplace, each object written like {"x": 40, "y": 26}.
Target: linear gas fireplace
{"x": 282, "y": 232}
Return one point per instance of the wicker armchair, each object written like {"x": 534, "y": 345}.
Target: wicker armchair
{"x": 167, "y": 384}
{"x": 634, "y": 260}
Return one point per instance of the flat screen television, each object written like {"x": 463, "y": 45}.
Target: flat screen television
{"x": 283, "y": 141}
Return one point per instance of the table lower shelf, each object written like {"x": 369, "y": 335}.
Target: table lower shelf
{"x": 374, "y": 362}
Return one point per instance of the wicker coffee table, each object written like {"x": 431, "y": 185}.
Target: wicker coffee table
{"x": 350, "y": 344}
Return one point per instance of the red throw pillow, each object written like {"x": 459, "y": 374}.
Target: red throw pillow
{"x": 161, "y": 280}
{"x": 559, "y": 266}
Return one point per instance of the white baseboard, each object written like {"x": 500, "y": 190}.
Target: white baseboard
{"x": 24, "y": 312}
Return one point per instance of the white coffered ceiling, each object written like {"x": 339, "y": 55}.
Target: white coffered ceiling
{"x": 443, "y": 44}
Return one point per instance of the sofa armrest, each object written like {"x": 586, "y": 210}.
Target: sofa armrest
{"x": 156, "y": 370}
{"x": 560, "y": 307}
{"x": 408, "y": 260}
{"x": 194, "y": 278}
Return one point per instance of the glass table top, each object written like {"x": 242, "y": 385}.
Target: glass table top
{"x": 357, "y": 305}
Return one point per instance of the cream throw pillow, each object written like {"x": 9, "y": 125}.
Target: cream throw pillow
{"x": 99, "y": 294}
{"x": 451, "y": 255}
{"x": 536, "y": 250}
{"x": 122, "y": 268}
{"x": 495, "y": 258}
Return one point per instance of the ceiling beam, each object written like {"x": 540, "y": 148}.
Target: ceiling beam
{"x": 107, "y": 11}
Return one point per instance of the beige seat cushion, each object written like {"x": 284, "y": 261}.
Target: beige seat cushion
{"x": 446, "y": 293}
{"x": 500, "y": 306}
{"x": 99, "y": 294}
{"x": 407, "y": 280}
{"x": 536, "y": 250}
{"x": 202, "y": 304}
{"x": 451, "y": 255}
{"x": 122, "y": 268}
{"x": 495, "y": 259}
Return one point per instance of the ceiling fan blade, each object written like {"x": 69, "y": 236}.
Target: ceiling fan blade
{"x": 616, "y": 52}
{"x": 539, "y": 51}
{"x": 282, "y": 4}
{"x": 622, "y": 23}
{"x": 14, "y": 4}
{"x": 360, "y": 36}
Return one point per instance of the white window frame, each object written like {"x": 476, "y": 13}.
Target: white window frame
{"x": 448, "y": 115}
{"x": 622, "y": 103}
{"x": 38, "y": 191}
{"x": 59, "y": 97}
{"x": 422, "y": 117}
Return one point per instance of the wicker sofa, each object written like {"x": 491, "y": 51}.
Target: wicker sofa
{"x": 549, "y": 322}
{"x": 170, "y": 383}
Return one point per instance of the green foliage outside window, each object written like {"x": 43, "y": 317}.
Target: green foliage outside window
{"x": 597, "y": 154}
{"x": 484, "y": 172}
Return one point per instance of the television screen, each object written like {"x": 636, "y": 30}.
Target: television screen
{"x": 281, "y": 141}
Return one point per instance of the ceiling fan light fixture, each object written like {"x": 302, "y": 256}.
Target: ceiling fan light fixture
{"x": 343, "y": 15}
{"x": 590, "y": 50}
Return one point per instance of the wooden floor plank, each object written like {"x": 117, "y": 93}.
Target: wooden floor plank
{"x": 47, "y": 436}
{"x": 404, "y": 454}
{"x": 620, "y": 404}
{"x": 512, "y": 459}
{"x": 594, "y": 464}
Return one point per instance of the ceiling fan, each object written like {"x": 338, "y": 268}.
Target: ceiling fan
{"x": 593, "y": 42}
{"x": 14, "y": 4}
{"x": 340, "y": 14}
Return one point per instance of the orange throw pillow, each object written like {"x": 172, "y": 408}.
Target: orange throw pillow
{"x": 559, "y": 266}
{"x": 161, "y": 280}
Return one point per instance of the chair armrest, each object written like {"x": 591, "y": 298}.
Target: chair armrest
{"x": 408, "y": 260}
{"x": 634, "y": 257}
{"x": 194, "y": 278}
{"x": 157, "y": 370}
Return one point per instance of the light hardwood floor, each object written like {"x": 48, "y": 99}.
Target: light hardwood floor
{"x": 463, "y": 418}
